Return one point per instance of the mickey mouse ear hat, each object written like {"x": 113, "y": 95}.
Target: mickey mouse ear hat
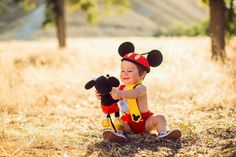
{"x": 154, "y": 57}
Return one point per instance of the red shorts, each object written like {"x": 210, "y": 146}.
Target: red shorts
{"x": 110, "y": 109}
{"x": 140, "y": 126}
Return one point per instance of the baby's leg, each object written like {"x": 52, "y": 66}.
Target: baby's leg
{"x": 126, "y": 128}
{"x": 157, "y": 123}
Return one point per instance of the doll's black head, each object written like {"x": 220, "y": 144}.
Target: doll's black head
{"x": 103, "y": 84}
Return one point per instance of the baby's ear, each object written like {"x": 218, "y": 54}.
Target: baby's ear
{"x": 125, "y": 48}
{"x": 89, "y": 84}
{"x": 114, "y": 82}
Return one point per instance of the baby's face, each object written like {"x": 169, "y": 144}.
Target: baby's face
{"x": 129, "y": 73}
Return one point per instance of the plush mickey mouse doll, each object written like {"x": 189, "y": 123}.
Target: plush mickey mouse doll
{"x": 104, "y": 86}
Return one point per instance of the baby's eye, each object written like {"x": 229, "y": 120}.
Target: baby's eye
{"x": 130, "y": 71}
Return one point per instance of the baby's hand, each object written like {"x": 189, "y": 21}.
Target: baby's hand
{"x": 115, "y": 94}
{"x": 98, "y": 95}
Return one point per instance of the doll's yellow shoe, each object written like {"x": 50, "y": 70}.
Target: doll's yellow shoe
{"x": 119, "y": 124}
{"x": 106, "y": 123}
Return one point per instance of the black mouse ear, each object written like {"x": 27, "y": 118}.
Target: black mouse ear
{"x": 125, "y": 48}
{"x": 114, "y": 82}
{"x": 154, "y": 58}
{"x": 89, "y": 84}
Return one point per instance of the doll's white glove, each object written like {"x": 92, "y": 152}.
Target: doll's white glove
{"x": 123, "y": 105}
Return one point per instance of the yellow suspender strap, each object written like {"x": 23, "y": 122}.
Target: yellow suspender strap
{"x": 133, "y": 106}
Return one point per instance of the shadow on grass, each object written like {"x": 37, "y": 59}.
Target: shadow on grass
{"x": 145, "y": 144}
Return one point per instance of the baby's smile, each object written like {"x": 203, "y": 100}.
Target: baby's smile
{"x": 125, "y": 78}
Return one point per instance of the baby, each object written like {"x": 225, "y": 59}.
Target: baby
{"x": 133, "y": 102}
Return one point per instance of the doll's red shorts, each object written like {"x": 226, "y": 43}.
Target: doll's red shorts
{"x": 140, "y": 126}
{"x": 110, "y": 109}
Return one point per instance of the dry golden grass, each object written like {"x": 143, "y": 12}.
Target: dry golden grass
{"x": 45, "y": 111}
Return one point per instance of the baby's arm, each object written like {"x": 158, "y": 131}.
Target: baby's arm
{"x": 139, "y": 91}
{"x": 98, "y": 95}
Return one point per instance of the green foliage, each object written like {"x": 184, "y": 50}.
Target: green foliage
{"x": 230, "y": 17}
{"x": 88, "y": 6}
{"x": 28, "y": 5}
{"x": 202, "y": 28}
{"x": 205, "y": 1}
{"x": 122, "y": 5}
{"x": 180, "y": 29}
{"x": 91, "y": 7}
{"x": 49, "y": 16}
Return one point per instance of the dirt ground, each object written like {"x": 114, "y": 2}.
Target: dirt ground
{"x": 45, "y": 110}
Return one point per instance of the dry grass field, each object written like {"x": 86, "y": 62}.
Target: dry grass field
{"x": 45, "y": 110}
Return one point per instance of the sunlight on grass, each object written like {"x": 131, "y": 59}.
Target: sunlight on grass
{"x": 45, "y": 110}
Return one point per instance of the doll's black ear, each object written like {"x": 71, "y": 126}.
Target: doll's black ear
{"x": 89, "y": 84}
{"x": 125, "y": 48}
{"x": 114, "y": 82}
{"x": 154, "y": 58}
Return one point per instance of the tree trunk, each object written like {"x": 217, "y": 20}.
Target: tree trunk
{"x": 217, "y": 27}
{"x": 60, "y": 22}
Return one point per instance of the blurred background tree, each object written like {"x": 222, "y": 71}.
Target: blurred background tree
{"x": 222, "y": 24}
